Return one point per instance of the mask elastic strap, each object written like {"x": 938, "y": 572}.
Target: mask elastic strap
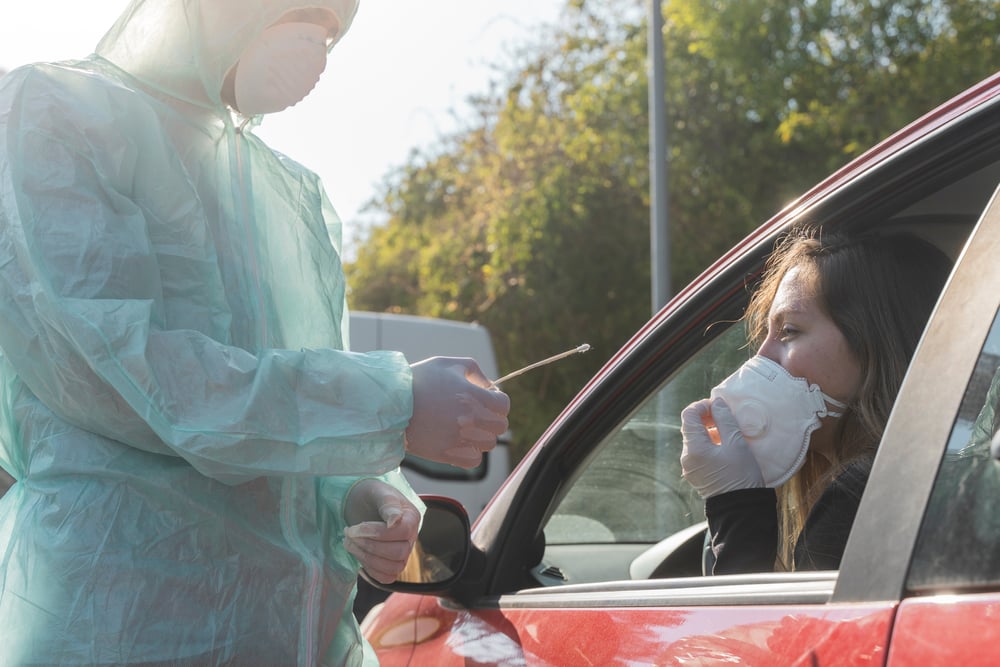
{"x": 837, "y": 404}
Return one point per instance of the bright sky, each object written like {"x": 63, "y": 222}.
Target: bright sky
{"x": 392, "y": 84}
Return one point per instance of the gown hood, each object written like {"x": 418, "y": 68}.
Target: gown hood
{"x": 185, "y": 48}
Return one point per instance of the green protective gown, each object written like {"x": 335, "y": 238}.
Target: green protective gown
{"x": 176, "y": 404}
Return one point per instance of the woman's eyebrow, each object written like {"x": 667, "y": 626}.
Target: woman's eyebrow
{"x": 788, "y": 311}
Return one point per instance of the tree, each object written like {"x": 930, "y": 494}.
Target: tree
{"x": 534, "y": 220}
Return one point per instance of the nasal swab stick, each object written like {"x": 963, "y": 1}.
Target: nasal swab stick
{"x": 556, "y": 357}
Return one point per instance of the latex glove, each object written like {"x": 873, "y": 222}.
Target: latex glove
{"x": 382, "y": 528}
{"x": 716, "y": 468}
{"x": 456, "y": 416}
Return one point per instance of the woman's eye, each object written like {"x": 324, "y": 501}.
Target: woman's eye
{"x": 787, "y": 331}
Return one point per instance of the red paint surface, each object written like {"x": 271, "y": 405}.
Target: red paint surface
{"x": 773, "y": 636}
{"x": 947, "y": 631}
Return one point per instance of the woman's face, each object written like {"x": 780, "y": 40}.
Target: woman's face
{"x": 805, "y": 341}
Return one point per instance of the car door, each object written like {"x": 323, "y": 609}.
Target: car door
{"x": 592, "y": 553}
{"x": 948, "y": 571}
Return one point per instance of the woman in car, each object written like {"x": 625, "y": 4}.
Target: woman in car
{"x": 782, "y": 450}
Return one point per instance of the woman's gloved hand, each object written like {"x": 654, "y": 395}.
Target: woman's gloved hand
{"x": 456, "y": 417}
{"x": 381, "y": 528}
{"x": 716, "y": 468}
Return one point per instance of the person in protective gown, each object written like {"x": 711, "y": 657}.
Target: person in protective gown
{"x": 189, "y": 437}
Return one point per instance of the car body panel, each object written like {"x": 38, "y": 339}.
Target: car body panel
{"x": 946, "y": 631}
{"x": 762, "y": 636}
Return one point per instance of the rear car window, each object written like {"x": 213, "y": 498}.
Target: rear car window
{"x": 959, "y": 542}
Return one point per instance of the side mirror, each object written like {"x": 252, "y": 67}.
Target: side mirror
{"x": 6, "y": 481}
{"x": 441, "y": 551}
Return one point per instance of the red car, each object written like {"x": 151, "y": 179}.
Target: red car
{"x": 592, "y": 553}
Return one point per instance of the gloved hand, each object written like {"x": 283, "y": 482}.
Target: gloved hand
{"x": 716, "y": 468}
{"x": 456, "y": 417}
{"x": 381, "y": 528}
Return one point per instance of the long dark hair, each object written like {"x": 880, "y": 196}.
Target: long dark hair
{"x": 879, "y": 291}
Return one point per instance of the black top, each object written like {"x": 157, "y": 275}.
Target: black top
{"x": 744, "y": 525}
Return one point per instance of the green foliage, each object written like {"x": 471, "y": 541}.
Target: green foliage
{"x": 534, "y": 221}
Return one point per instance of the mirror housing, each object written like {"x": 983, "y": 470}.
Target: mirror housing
{"x": 441, "y": 552}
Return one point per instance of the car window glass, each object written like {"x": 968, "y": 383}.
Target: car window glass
{"x": 958, "y": 544}
{"x": 630, "y": 489}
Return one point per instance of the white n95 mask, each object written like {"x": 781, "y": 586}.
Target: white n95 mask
{"x": 776, "y": 413}
{"x": 280, "y": 68}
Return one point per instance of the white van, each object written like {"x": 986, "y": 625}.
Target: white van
{"x": 419, "y": 338}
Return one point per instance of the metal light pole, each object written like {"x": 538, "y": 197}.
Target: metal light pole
{"x": 659, "y": 242}
{"x": 658, "y": 230}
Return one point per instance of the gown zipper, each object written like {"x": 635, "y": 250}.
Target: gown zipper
{"x": 289, "y": 525}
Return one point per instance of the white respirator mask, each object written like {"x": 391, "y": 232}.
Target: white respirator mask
{"x": 776, "y": 413}
{"x": 280, "y": 68}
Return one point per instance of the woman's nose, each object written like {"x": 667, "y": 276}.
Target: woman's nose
{"x": 769, "y": 349}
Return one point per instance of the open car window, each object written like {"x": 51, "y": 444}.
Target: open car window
{"x": 628, "y": 495}
{"x": 625, "y": 512}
